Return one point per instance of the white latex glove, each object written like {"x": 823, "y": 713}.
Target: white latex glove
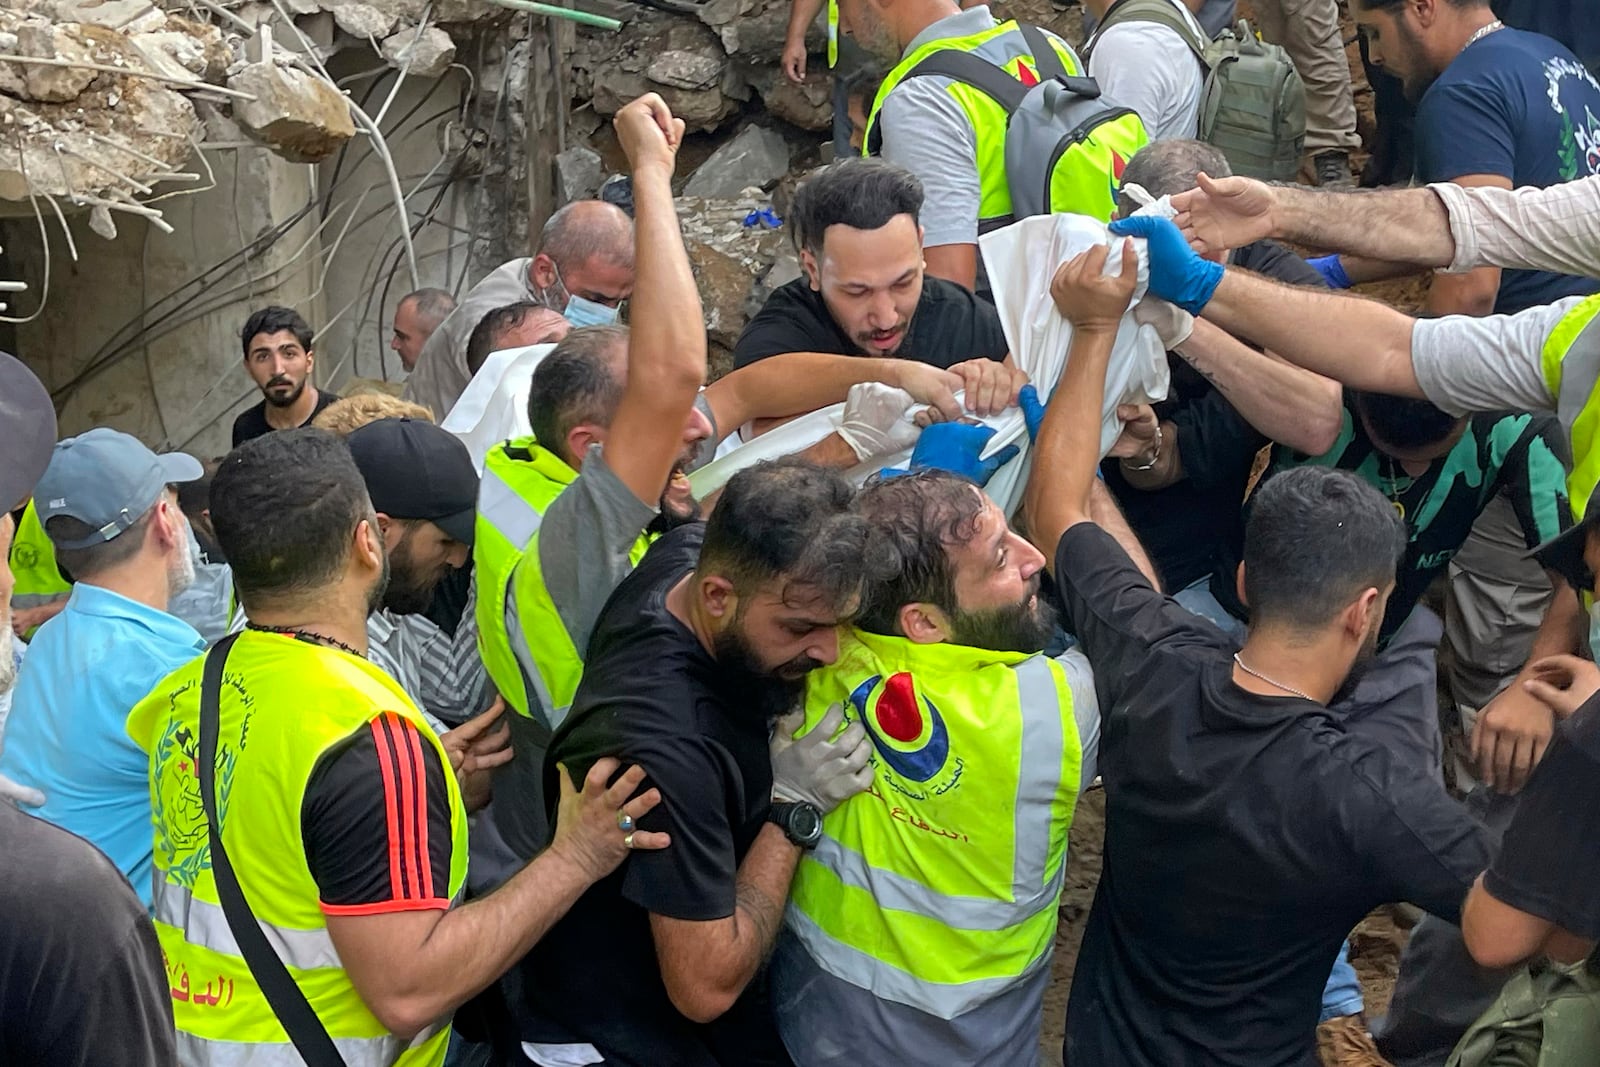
{"x": 20, "y": 795}
{"x": 1171, "y": 323}
{"x": 820, "y": 769}
{"x": 874, "y": 422}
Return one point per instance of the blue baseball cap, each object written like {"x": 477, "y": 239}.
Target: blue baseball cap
{"x": 106, "y": 480}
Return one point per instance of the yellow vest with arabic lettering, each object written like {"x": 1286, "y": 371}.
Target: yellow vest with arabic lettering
{"x": 938, "y": 887}
{"x": 284, "y": 703}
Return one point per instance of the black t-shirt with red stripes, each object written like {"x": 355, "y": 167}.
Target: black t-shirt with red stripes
{"x": 376, "y": 822}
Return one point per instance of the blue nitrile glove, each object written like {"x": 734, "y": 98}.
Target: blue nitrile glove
{"x": 1332, "y": 270}
{"x": 1032, "y": 410}
{"x": 955, "y": 447}
{"x": 1177, "y": 274}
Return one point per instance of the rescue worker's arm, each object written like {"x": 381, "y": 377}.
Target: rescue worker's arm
{"x": 1498, "y": 935}
{"x": 25, "y": 619}
{"x": 1104, "y": 513}
{"x": 990, "y": 386}
{"x": 953, "y": 263}
{"x": 667, "y": 342}
{"x": 1402, "y": 226}
{"x": 802, "y": 13}
{"x": 414, "y": 967}
{"x": 799, "y": 382}
{"x": 1066, "y": 448}
{"x": 1444, "y": 226}
{"x": 706, "y": 965}
{"x": 1289, "y": 404}
{"x": 1473, "y": 292}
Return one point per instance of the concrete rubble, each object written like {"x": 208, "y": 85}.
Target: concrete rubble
{"x": 756, "y": 158}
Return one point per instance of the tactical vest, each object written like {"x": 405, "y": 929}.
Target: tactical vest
{"x": 938, "y": 887}
{"x": 284, "y": 703}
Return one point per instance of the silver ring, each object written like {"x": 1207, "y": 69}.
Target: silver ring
{"x": 627, "y": 842}
{"x": 624, "y": 821}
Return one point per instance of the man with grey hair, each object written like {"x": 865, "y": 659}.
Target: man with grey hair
{"x": 582, "y": 270}
{"x": 416, "y": 316}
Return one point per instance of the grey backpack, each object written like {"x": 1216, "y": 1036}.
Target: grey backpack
{"x": 1253, "y": 107}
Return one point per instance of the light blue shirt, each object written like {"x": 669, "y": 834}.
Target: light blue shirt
{"x": 67, "y": 735}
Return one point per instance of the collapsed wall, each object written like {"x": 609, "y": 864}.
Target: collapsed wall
{"x": 167, "y": 166}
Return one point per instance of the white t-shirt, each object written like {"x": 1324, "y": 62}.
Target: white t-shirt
{"x": 1148, "y": 67}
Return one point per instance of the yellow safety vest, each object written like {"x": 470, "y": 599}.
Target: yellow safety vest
{"x": 1003, "y": 46}
{"x": 521, "y": 638}
{"x": 938, "y": 887}
{"x": 33, "y": 564}
{"x": 1571, "y": 361}
{"x": 284, "y": 703}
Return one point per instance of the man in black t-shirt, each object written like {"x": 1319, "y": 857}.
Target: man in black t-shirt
{"x": 710, "y": 637}
{"x": 279, "y": 359}
{"x": 865, "y": 292}
{"x": 1247, "y": 832}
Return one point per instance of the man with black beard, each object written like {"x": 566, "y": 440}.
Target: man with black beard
{"x": 279, "y": 359}
{"x": 701, "y": 647}
{"x": 982, "y": 744}
{"x": 424, "y": 491}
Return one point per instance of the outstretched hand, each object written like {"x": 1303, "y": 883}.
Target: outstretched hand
{"x": 1225, "y": 213}
{"x": 956, "y": 447}
{"x": 1177, "y": 274}
{"x": 1089, "y": 299}
{"x": 589, "y": 823}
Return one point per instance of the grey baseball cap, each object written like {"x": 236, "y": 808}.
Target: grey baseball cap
{"x": 28, "y": 424}
{"x": 106, "y": 480}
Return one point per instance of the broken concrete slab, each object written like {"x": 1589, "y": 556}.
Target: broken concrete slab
{"x": 53, "y": 85}
{"x": 756, "y": 158}
{"x": 579, "y": 172}
{"x": 363, "y": 21}
{"x": 686, "y": 70}
{"x": 808, "y": 106}
{"x": 427, "y": 55}
{"x": 302, "y": 118}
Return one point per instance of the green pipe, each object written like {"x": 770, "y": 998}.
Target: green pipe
{"x": 583, "y": 18}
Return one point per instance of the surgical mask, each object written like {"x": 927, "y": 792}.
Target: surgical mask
{"x": 1594, "y": 630}
{"x": 581, "y": 311}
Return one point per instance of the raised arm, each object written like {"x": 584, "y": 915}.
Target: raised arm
{"x": 1401, "y": 226}
{"x": 1066, "y": 450}
{"x": 667, "y": 339}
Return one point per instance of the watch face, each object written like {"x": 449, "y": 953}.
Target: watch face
{"x": 805, "y": 822}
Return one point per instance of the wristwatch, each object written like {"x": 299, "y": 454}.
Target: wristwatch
{"x": 801, "y": 822}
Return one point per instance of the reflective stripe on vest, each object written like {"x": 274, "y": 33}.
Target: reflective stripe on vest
{"x": 1003, "y": 46}
{"x": 942, "y": 918}
{"x": 520, "y": 480}
{"x": 356, "y": 1051}
{"x": 284, "y": 705}
{"x": 1571, "y": 361}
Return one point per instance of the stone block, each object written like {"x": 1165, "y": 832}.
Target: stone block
{"x": 756, "y": 158}
{"x": 429, "y": 55}
{"x": 724, "y": 281}
{"x": 302, "y": 118}
{"x": 579, "y": 172}
{"x": 53, "y": 85}
{"x": 687, "y": 70}
{"x": 808, "y": 106}
{"x": 363, "y": 21}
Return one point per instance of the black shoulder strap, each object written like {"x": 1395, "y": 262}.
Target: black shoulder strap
{"x": 1046, "y": 60}
{"x": 283, "y": 994}
{"x": 968, "y": 69}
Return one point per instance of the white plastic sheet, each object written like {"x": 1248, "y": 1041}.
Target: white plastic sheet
{"x": 494, "y": 406}
{"x": 1021, "y": 260}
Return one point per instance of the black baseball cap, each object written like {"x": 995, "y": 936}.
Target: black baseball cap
{"x": 1564, "y": 553}
{"x": 28, "y": 427}
{"x": 415, "y": 470}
